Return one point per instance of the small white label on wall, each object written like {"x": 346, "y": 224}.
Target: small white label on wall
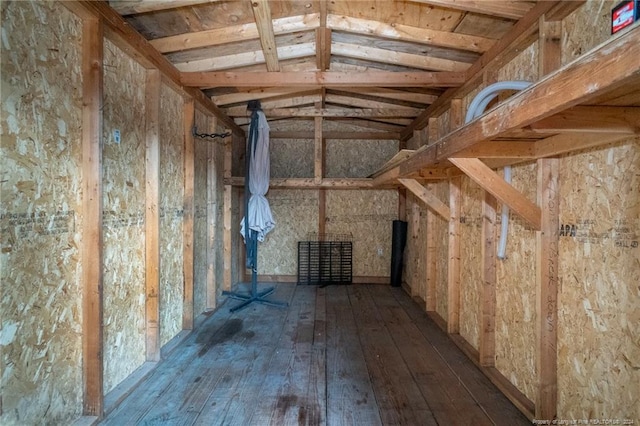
{"x": 116, "y": 136}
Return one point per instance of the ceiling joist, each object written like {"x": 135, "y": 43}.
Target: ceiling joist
{"x": 505, "y": 8}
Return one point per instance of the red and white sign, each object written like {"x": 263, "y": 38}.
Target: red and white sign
{"x": 623, "y": 15}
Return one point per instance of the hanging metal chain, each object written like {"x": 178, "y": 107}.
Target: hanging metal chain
{"x": 209, "y": 135}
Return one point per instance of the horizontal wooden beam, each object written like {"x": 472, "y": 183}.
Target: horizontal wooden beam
{"x": 597, "y": 119}
{"x": 322, "y": 79}
{"x": 243, "y": 59}
{"x": 236, "y": 33}
{"x": 392, "y": 94}
{"x": 127, "y": 7}
{"x": 408, "y": 33}
{"x": 491, "y": 182}
{"x": 341, "y": 112}
{"x": 563, "y": 144}
{"x": 504, "y": 8}
{"x": 241, "y": 111}
{"x": 500, "y": 149}
{"x": 411, "y": 60}
{"x": 261, "y": 93}
{"x": 310, "y": 183}
{"x": 357, "y": 102}
{"x": 335, "y": 135}
{"x": 427, "y": 197}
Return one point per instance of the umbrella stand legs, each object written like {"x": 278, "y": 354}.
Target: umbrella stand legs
{"x": 254, "y": 295}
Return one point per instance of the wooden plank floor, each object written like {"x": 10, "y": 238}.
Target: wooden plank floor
{"x": 340, "y": 355}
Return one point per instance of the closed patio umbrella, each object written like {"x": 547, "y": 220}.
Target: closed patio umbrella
{"x": 258, "y": 218}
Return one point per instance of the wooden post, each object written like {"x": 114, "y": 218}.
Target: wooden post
{"x": 318, "y": 151}
{"x": 547, "y": 288}
{"x": 549, "y": 46}
{"x": 92, "y": 248}
{"x": 152, "y": 215}
{"x": 212, "y": 225}
{"x": 487, "y": 350}
{"x": 402, "y": 192}
{"x": 189, "y": 183}
{"x": 431, "y": 259}
{"x": 227, "y": 213}
{"x": 453, "y": 275}
{"x": 456, "y": 118}
{"x": 415, "y": 235}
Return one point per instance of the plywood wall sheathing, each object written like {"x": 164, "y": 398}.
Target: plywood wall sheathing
{"x": 171, "y": 213}
{"x": 123, "y": 177}
{"x": 585, "y": 28}
{"x": 441, "y": 238}
{"x": 344, "y": 158}
{"x": 599, "y": 254}
{"x": 296, "y": 215}
{"x": 470, "y": 260}
{"x": 368, "y": 216}
{"x": 516, "y": 293}
{"x": 40, "y": 217}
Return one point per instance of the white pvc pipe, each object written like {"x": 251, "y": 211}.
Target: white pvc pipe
{"x": 476, "y": 108}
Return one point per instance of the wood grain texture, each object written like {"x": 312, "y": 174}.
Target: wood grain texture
{"x": 188, "y": 208}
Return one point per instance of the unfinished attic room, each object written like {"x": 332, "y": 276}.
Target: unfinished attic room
{"x": 442, "y": 205}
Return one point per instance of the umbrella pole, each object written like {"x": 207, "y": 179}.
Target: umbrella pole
{"x": 251, "y": 236}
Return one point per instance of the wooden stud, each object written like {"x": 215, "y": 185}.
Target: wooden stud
{"x": 549, "y": 46}
{"x": 427, "y": 197}
{"x": 414, "y": 235}
{"x": 152, "y": 215}
{"x": 92, "y": 247}
{"x": 432, "y": 131}
{"x": 453, "y": 268}
{"x": 189, "y": 183}
{"x": 212, "y": 225}
{"x": 327, "y": 79}
{"x": 496, "y": 186}
{"x": 547, "y": 289}
{"x": 431, "y": 263}
{"x": 487, "y": 349}
{"x": 318, "y": 151}
{"x": 456, "y": 115}
{"x": 227, "y": 216}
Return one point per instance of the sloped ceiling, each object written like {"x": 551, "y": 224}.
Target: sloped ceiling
{"x": 378, "y": 64}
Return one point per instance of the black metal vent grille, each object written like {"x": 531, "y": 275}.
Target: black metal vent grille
{"x": 325, "y": 262}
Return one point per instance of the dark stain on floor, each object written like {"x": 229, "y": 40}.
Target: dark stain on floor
{"x": 210, "y": 336}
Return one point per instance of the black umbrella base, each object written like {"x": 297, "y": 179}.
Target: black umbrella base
{"x": 258, "y": 297}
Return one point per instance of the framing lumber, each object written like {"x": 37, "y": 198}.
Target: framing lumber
{"x": 335, "y": 135}
{"x": 562, "y": 144}
{"x": 259, "y": 93}
{"x": 392, "y": 94}
{"x": 505, "y": 9}
{"x": 596, "y": 119}
{"x": 92, "y": 247}
{"x": 487, "y": 347}
{"x": 264, "y": 22}
{"x": 323, "y": 40}
{"x": 245, "y": 32}
{"x": 453, "y": 265}
{"x": 408, "y": 33}
{"x": 134, "y": 44}
{"x": 496, "y": 186}
{"x": 341, "y": 112}
{"x": 212, "y": 225}
{"x": 126, "y": 7}
{"x": 431, "y": 263}
{"x": 310, "y": 183}
{"x": 227, "y": 217}
{"x": 244, "y": 59}
{"x": 358, "y": 102}
{"x": 500, "y": 149}
{"x": 188, "y": 208}
{"x": 315, "y": 79}
{"x": 318, "y": 151}
{"x": 152, "y": 215}
{"x": 357, "y": 51}
{"x": 547, "y": 289}
{"x": 301, "y": 100}
{"x": 427, "y": 197}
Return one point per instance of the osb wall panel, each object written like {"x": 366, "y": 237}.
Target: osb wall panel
{"x": 441, "y": 231}
{"x": 516, "y": 275}
{"x": 200, "y": 219}
{"x": 123, "y": 217}
{"x": 292, "y": 158}
{"x": 237, "y": 244}
{"x": 586, "y": 28}
{"x": 368, "y": 216}
{"x": 171, "y": 213}
{"x": 296, "y": 215}
{"x": 470, "y": 259}
{"x": 357, "y": 158}
{"x": 516, "y": 293}
{"x": 598, "y": 334}
{"x": 40, "y": 217}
